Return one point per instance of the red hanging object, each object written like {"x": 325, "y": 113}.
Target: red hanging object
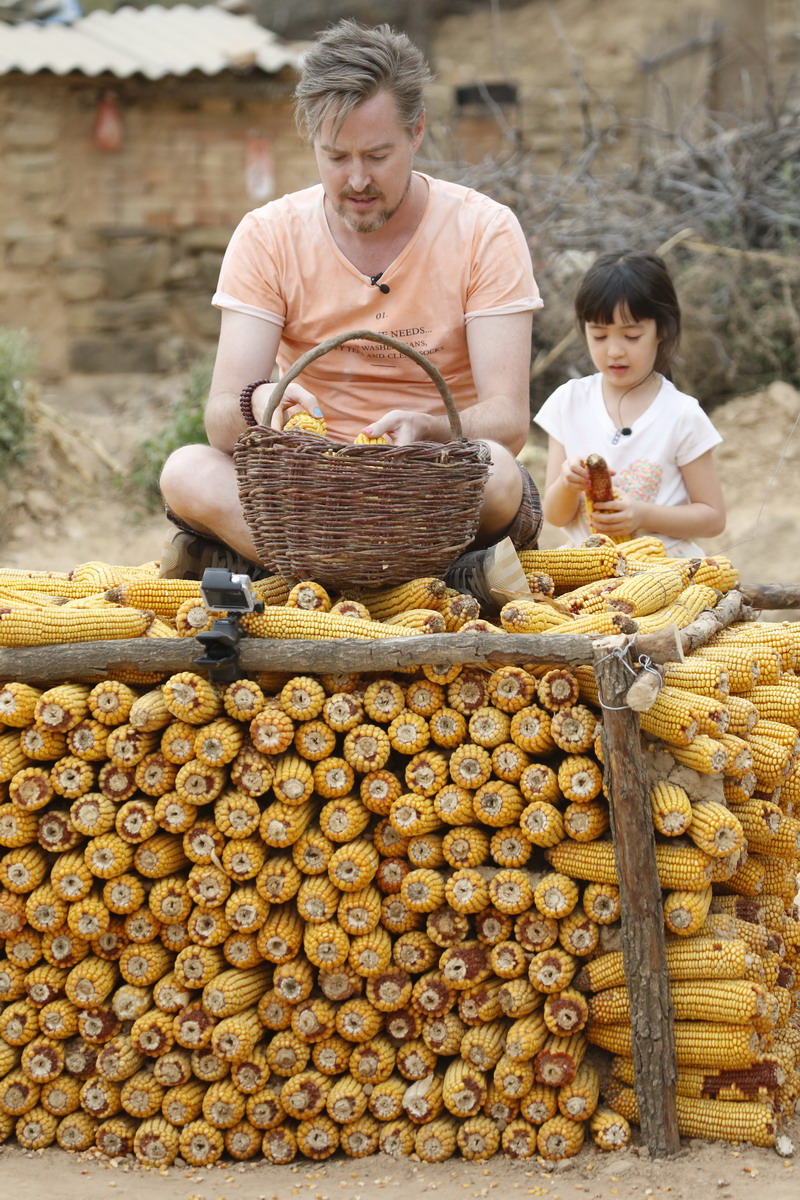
{"x": 108, "y": 123}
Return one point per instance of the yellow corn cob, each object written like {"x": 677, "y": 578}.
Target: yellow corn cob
{"x": 357, "y": 1020}
{"x": 509, "y": 762}
{"x": 163, "y": 596}
{"x": 87, "y": 740}
{"x": 23, "y": 868}
{"x": 525, "y": 1037}
{"x": 497, "y": 804}
{"x": 284, "y": 622}
{"x": 18, "y": 704}
{"x": 315, "y": 740}
{"x": 559, "y": 1058}
{"x": 465, "y": 846}
{"x": 511, "y": 891}
{"x": 423, "y": 890}
{"x": 609, "y": 1130}
{"x": 326, "y": 944}
{"x": 135, "y": 821}
{"x": 18, "y": 827}
{"x": 742, "y": 1121}
{"x": 192, "y": 617}
{"x": 685, "y": 912}
{"x": 426, "y": 772}
{"x": 715, "y": 829}
{"x": 53, "y": 626}
{"x": 13, "y": 759}
{"x": 372, "y": 1063}
{"x": 62, "y": 948}
{"x": 397, "y": 1138}
{"x": 360, "y": 1137}
{"x": 366, "y": 748}
{"x": 156, "y": 1142}
{"x": 555, "y": 895}
{"x": 127, "y": 746}
{"x": 701, "y": 676}
{"x": 739, "y": 664}
{"x": 697, "y": 1043}
{"x": 560, "y": 1137}
{"x": 704, "y": 754}
{"x": 307, "y": 422}
{"x": 142, "y": 1095}
{"x": 671, "y": 808}
{"x": 191, "y": 698}
{"x": 42, "y": 745}
{"x": 152, "y": 1033}
{"x": 776, "y": 702}
{"x": 586, "y": 822}
{"x": 177, "y": 742}
{"x": 160, "y": 855}
{"x": 144, "y": 964}
{"x": 90, "y": 982}
{"x": 577, "y": 565}
{"x": 509, "y": 847}
{"x": 198, "y": 783}
{"x": 684, "y": 609}
{"x": 647, "y": 591}
{"x": 518, "y": 1138}
{"x": 61, "y": 1096}
{"x": 218, "y": 742}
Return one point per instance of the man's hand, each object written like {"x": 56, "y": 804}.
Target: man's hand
{"x": 401, "y": 426}
{"x": 294, "y": 400}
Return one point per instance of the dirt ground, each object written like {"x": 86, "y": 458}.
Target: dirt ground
{"x": 701, "y": 1169}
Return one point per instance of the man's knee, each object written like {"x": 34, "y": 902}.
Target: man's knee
{"x": 180, "y": 470}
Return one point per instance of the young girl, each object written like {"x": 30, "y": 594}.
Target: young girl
{"x": 657, "y": 441}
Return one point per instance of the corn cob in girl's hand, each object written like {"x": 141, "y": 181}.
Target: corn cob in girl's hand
{"x": 600, "y": 490}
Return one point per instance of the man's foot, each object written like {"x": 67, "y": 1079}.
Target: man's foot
{"x": 186, "y": 555}
{"x": 493, "y": 575}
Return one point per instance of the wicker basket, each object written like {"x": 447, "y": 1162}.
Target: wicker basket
{"x": 357, "y": 517}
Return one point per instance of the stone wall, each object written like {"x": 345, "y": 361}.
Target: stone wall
{"x": 109, "y": 257}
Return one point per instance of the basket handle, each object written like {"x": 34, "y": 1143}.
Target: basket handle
{"x": 246, "y": 398}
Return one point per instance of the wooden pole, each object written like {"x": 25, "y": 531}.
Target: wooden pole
{"x": 642, "y": 925}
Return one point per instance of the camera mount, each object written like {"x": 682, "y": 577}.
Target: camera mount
{"x": 223, "y": 591}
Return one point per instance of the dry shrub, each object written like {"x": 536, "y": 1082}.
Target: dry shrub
{"x": 725, "y": 211}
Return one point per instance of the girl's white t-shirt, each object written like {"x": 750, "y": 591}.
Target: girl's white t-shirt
{"x": 672, "y": 432}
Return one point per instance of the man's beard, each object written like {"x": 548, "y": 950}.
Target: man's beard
{"x": 370, "y": 222}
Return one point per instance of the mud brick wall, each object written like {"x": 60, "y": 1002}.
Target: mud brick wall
{"x": 110, "y": 257}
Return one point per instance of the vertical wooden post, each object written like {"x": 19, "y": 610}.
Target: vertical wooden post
{"x": 643, "y": 953}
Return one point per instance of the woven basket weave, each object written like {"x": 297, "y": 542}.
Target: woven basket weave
{"x": 357, "y": 516}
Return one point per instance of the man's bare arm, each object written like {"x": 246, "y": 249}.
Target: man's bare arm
{"x": 246, "y": 352}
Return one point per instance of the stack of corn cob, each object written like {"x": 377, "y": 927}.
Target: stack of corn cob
{"x": 296, "y": 915}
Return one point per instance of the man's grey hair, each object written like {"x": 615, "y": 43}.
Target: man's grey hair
{"x": 350, "y": 63}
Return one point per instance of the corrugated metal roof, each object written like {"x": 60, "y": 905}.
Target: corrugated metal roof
{"x": 155, "y": 42}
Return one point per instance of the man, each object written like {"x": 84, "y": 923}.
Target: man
{"x": 375, "y": 245}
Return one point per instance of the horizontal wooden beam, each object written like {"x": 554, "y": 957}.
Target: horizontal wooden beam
{"x": 96, "y": 660}
{"x": 771, "y": 595}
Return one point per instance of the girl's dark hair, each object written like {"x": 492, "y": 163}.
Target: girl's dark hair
{"x": 642, "y": 287}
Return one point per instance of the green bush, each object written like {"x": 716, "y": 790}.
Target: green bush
{"x": 17, "y": 360}
{"x": 185, "y": 426}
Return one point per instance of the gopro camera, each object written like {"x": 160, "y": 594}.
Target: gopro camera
{"x": 233, "y": 595}
{"x": 223, "y": 591}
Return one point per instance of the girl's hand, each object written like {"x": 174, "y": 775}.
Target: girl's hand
{"x": 619, "y": 517}
{"x": 574, "y": 475}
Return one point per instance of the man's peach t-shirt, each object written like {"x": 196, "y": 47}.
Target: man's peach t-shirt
{"x": 467, "y": 258}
